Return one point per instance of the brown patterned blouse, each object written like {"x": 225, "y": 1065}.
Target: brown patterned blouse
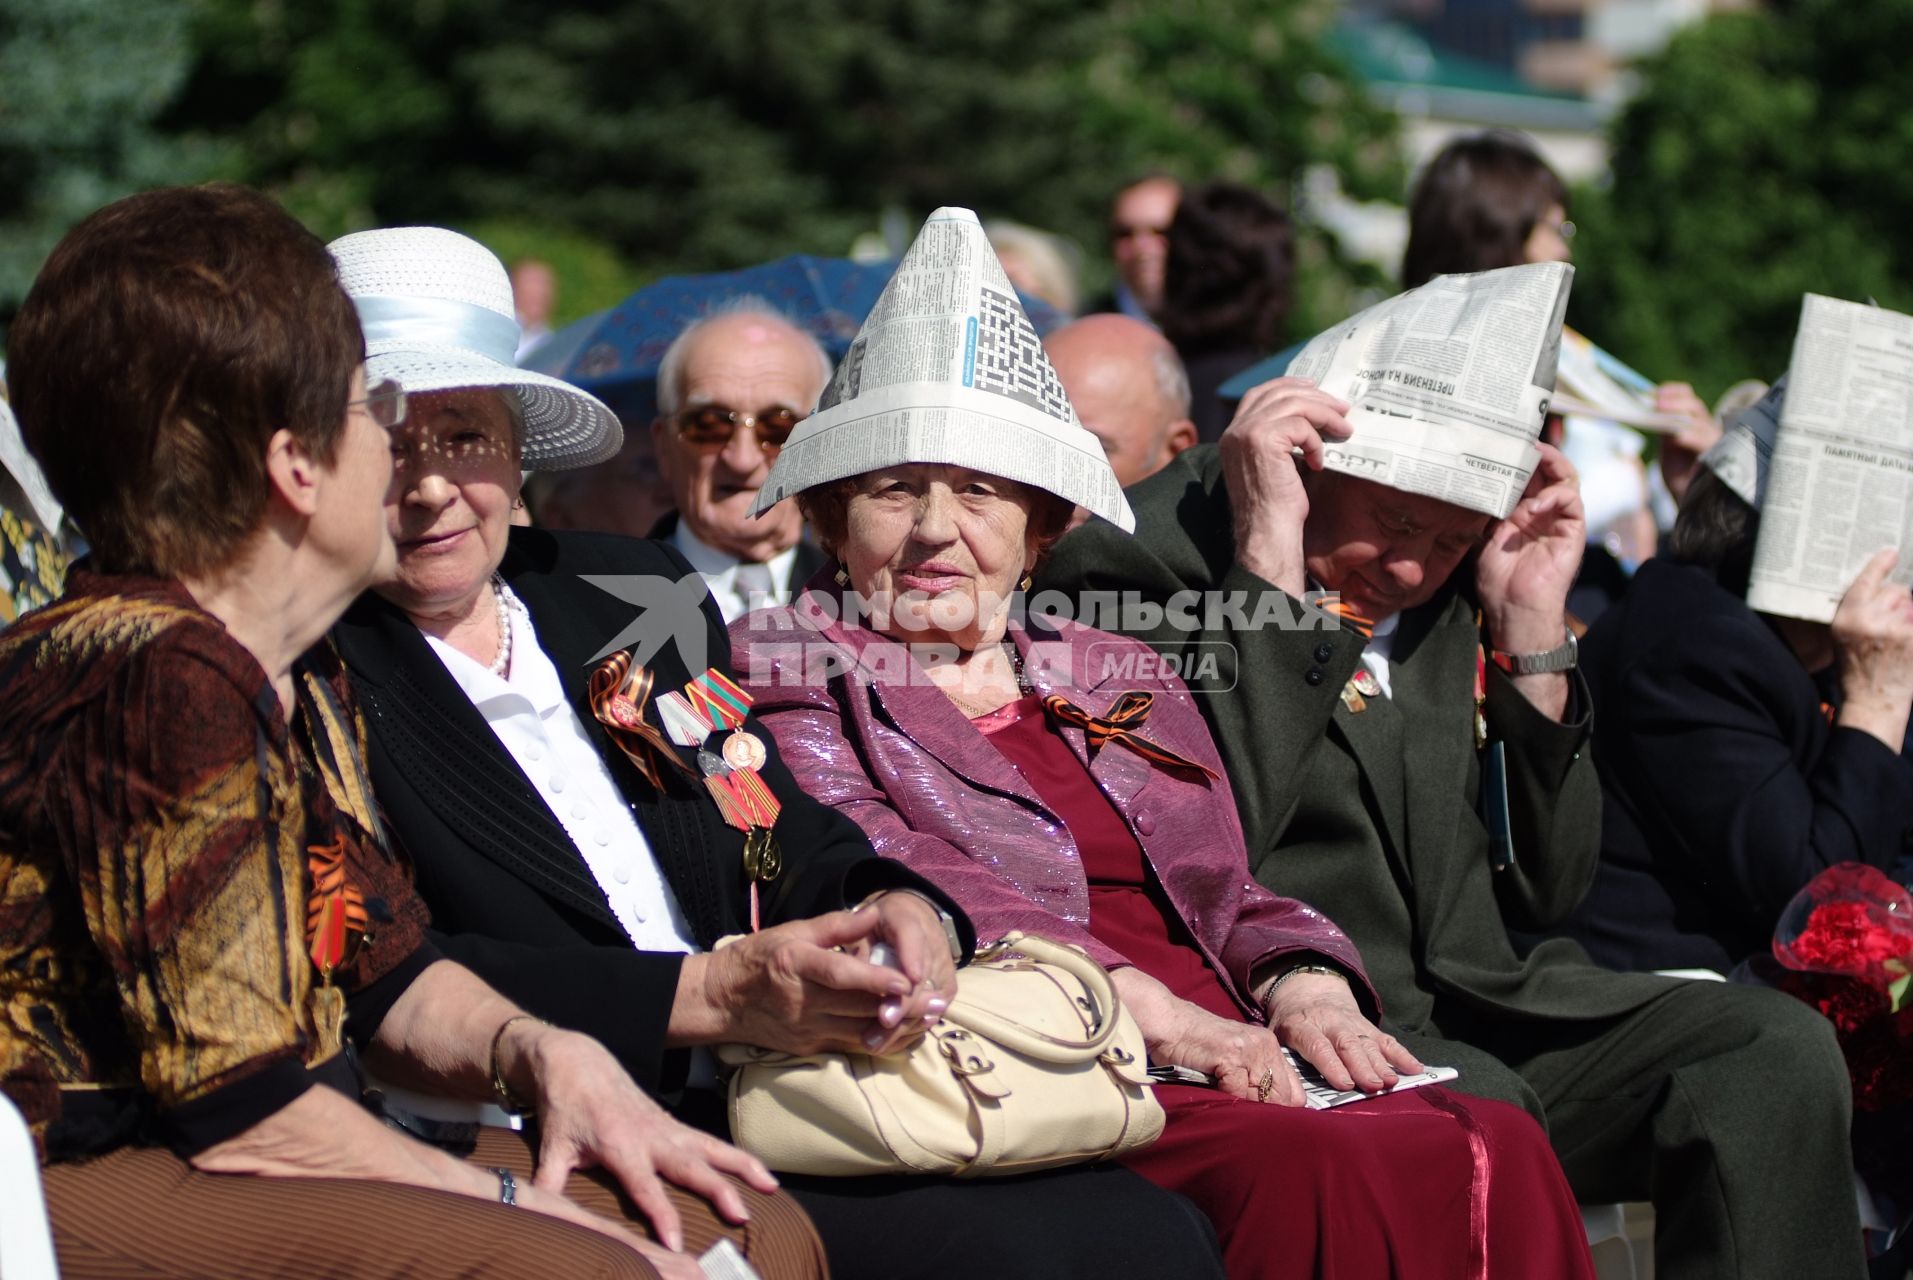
{"x": 160, "y": 825}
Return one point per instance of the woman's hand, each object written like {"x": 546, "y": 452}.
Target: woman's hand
{"x": 590, "y": 1113}
{"x": 1263, "y": 474}
{"x": 1315, "y": 1014}
{"x": 801, "y": 987}
{"x": 1873, "y": 637}
{"x": 1680, "y": 453}
{"x": 324, "y": 1134}
{"x": 1244, "y": 1060}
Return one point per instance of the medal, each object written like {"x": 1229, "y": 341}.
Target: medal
{"x": 711, "y": 764}
{"x": 681, "y": 720}
{"x": 718, "y": 699}
{"x": 763, "y": 859}
{"x": 1365, "y": 683}
{"x": 625, "y": 712}
{"x": 744, "y": 751}
{"x": 1352, "y": 699}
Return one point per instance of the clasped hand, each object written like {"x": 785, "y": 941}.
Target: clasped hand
{"x": 809, "y": 986}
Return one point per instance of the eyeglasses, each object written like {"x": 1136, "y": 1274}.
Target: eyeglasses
{"x": 1564, "y": 228}
{"x": 714, "y": 424}
{"x": 1118, "y": 233}
{"x": 384, "y": 401}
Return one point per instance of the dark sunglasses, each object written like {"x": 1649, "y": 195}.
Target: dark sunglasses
{"x": 714, "y": 424}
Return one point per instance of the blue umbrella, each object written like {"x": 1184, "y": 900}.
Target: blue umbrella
{"x": 615, "y": 353}
{"x": 1259, "y": 372}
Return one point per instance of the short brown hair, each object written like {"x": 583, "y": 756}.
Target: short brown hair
{"x": 166, "y": 340}
{"x": 1476, "y": 205}
{"x": 827, "y": 508}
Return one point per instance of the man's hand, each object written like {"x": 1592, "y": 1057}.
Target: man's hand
{"x": 1873, "y": 638}
{"x": 591, "y": 1114}
{"x": 1525, "y": 569}
{"x": 1315, "y": 1014}
{"x": 1260, "y": 468}
{"x": 805, "y": 987}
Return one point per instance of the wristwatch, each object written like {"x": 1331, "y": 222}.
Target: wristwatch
{"x": 1563, "y": 657}
{"x": 944, "y": 918}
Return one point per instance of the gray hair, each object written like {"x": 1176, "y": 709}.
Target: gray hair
{"x": 1172, "y": 380}
{"x": 670, "y": 395}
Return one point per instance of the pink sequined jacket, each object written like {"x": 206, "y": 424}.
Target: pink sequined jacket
{"x": 864, "y": 730}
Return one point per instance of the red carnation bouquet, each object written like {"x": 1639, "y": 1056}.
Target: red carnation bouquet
{"x": 1846, "y": 942}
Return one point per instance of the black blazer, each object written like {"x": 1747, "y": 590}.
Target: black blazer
{"x": 510, "y": 896}
{"x": 1725, "y": 786}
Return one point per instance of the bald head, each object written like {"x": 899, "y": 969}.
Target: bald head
{"x": 1128, "y": 388}
{"x": 749, "y": 361}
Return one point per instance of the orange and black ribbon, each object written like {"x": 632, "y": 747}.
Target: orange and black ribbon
{"x": 336, "y": 921}
{"x": 617, "y": 694}
{"x": 1354, "y": 621}
{"x": 1125, "y": 716}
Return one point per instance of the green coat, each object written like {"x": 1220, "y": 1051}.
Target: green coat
{"x": 1372, "y": 816}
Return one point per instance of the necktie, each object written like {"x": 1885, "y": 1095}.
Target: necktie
{"x": 753, "y": 585}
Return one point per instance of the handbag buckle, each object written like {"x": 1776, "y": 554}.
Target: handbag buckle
{"x": 960, "y": 1047}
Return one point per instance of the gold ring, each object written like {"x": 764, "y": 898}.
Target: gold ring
{"x": 1266, "y": 1086}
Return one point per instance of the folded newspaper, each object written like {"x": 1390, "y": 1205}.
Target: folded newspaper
{"x": 947, "y": 369}
{"x": 1838, "y": 482}
{"x": 1450, "y": 383}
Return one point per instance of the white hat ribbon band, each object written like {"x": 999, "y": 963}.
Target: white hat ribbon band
{"x": 438, "y": 322}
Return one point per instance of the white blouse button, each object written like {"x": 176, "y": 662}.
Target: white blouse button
{"x": 623, "y": 873}
{"x": 557, "y": 783}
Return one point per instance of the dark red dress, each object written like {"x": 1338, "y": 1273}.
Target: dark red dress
{"x": 1423, "y": 1184}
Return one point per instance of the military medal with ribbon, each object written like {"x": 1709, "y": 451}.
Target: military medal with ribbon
{"x": 730, "y": 773}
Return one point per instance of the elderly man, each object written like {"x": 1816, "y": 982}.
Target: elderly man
{"x": 1139, "y": 219}
{"x": 1129, "y": 388}
{"x": 730, "y": 389}
{"x": 1357, "y": 754}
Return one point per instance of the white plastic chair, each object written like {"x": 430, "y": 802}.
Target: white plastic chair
{"x": 1607, "y": 1240}
{"x": 26, "y": 1239}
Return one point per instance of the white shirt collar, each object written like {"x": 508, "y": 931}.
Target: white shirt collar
{"x": 719, "y": 570}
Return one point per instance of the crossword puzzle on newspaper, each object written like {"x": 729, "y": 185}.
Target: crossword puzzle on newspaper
{"x": 1009, "y": 358}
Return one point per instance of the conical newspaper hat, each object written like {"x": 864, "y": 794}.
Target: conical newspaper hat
{"x": 1742, "y": 455}
{"x": 947, "y": 369}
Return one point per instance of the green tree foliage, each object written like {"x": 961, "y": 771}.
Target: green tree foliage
{"x": 691, "y": 136}
{"x": 81, "y": 82}
{"x": 1765, "y": 159}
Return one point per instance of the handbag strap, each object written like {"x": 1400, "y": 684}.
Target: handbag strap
{"x": 1040, "y": 1044}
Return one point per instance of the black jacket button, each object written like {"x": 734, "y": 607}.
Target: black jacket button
{"x": 1315, "y": 675}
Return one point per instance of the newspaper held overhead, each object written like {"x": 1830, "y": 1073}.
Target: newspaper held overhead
{"x": 1450, "y": 383}
{"x": 1840, "y": 481}
{"x": 947, "y": 369}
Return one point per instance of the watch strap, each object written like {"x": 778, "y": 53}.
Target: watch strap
{"x": 1563, "y": 657}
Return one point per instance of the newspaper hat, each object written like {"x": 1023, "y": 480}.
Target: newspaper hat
{"x": 947, "y": 369}
{"x": 1448, "y": 384}
{"x": 1744, "y": 453}
{"x": 437, "y": 312}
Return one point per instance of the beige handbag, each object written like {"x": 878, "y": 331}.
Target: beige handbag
{"x": 1035, "y": 1064}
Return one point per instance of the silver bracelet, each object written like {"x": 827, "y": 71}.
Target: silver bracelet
{"x": 507, "y": 1186}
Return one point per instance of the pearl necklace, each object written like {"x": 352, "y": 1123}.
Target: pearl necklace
{"x": 503, "y": 601}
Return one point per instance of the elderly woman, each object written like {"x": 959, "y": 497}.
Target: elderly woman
{"x": 547, "y": 711}
{"x": 1051, "y": 781}
{"x": 203, "y": 916}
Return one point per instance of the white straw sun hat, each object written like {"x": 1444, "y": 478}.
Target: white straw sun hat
{"x": 437, "y": 312}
